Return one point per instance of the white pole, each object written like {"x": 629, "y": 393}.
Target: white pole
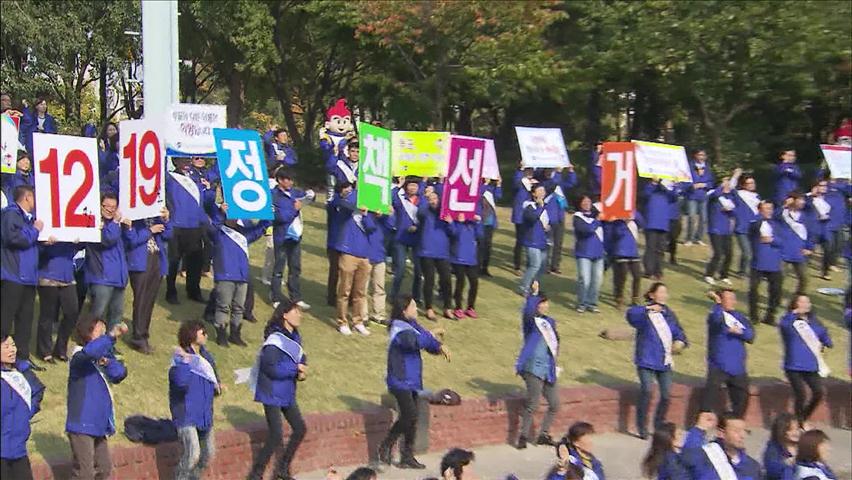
{"x": 160, "y": 85}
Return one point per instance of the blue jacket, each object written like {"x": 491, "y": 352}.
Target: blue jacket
{"x": 327, "y": 146}
{"x": 489, "y": 215}
{"x": 355, "y": 227}
{"x": 658, "y": 205}
{"x": 720, "y": 221}
{"x": 283, "y": 204}
{"x": 11, "y": 181}
{"x": 595, "y": 177}
{"x": 791, "y": 243}
{"x": 774, "y": 462}
{"x": 184, "y": 211}
{"x": 434, "y": 241}
{"x": 588, "y": 244}
{"x": 817, "y": 466}
{"x": 405, "y": 367}
{"x": 137, "y": 249}
{"x": 672, "y": 468}
{"x": 230, "y": 262}
{"x": 56, "y": 262}
{"x": 533, "y": 233}
{"x": 272, "y": 162}
{"x": 276, "y": 377}
{"x": 18, "y": 246}
{"x": 384, "y": 226}
{"x": 649, "y": 352}
{"x": 15, "y": 415}
{"x": 743, "y": 215}
{"x": 797, "y": 356}
{"x": 725, "y": 350}
{"x": 707, "y": 177}
{"x": 339, "y": 173}
{"x": 90, "y": 408}
{"x": 596, "y": 465}
{"x": 619, "y": 242}
{"x": 107, "y": 161}
{"x": 838, "y": 216}
{"x": 522, "y": 194}
{"x": 190, "y": 394}
{"x": 106, "y": 262}
{"x": 766, "y": 257}
{"x": 29, "y": 126}
{"x": 211, "y": 174}
{"x": 464, "y": 237}
{"x": 533, "y": 337}
{"x": 700, "y": 468}
{"x": 404, "y": 221}
{"x": 787, "y": 178}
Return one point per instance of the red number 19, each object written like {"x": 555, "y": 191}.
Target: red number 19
{"x": 50, "y": 166}
{"x": 149, "y": 172}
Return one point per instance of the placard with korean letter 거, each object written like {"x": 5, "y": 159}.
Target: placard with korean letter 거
{"x": 242, "y": 166}
{"x": 618, "y": 181}
{"x": 141, "y": 176}
{"x": 464, "y": 179}
{"x": 68, "y": 193}
{"x": 374, "y": 168}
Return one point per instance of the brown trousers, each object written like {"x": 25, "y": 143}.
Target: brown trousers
{"x": 352, "y": 287}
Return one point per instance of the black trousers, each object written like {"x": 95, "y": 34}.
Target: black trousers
{"x": 484, "y": 248}
{"x": 429, "y": 266}
{"x": 620, "y": 269}
{"x": 472, "y": 274}
{"x": 82, "y": 288}
{"x": 274, "y": 438}
{"x": 655, "y": 245}
{"x": 557, "y": 229}
{"x": 16, "y": 312}
{"x": 331, "y": 287}
{"x": 518, "y": 248}
{"x": 775, "y": 280}
{"x": 51, "y": 299}
{"x": 737, "y": 392}
{"x": 17, "y": 469}
{"x": 801, "y": 271}
{"x": 798, "y": 380}
{"x": 186, "y": 245}
{"x": 145, "y": 286}
{"x": 722, "y": 255}
{"x": 406, "y": 424}
{"x": 675, "y": 228}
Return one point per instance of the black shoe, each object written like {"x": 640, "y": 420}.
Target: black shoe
{"x": 410, "y": 463}
{"x": 522, "y": 443}
{"x": 172, "y": 299}
{"x": 235, "y": 337}
{"x": 486, "y": 273}
{"x": 221, "y": 337}
{"x": 385, "y": 453}
{"x": 544, "y": 439}
{"x": 250, "y": 319}
{"x": 37, "y": 368}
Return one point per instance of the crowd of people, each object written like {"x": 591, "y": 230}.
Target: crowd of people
{"x": 193, "y": 236}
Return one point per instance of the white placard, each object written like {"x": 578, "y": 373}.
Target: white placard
{"x": 490, "y": 167}
{"x": 188, "y": 129}
{"x": 9, "y": 144}
{"x": 661, "y": 160}
{"x": 141, "y": 173}
{"x": 542, "y": 147}
{"x": 839, "y": 159}
{"x": 67, "y": 186}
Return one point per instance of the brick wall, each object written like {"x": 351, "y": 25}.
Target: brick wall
{"x": 350, "y": 437}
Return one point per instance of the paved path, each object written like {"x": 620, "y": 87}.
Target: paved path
{"x": 620, "y": 454}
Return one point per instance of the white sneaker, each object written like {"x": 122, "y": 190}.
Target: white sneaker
{"x": 344, "y": 329}
{"x": 726, "y": 281}
{"x": 710, "y": 280}
{"x": 304, "y": 306}
{"x": 264, "y": 281}
{"x": 687, "y": 244}
{"x": 360, "y": 328}
{"x": 701, "y": 243}
{"x": 275, "y": 304}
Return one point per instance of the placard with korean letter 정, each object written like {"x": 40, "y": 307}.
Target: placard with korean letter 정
{"x": 374, "y": 168}
{"x": 542, "y": 147}
{"x": 660, "y": 160}
{"x": 242, "y": 166}
{"x": 839, "y": 159}
{"x": 68, "y": 193}
{"x": 618, "y": 181}
{"x": 464, "y": 178}
{"x": 141, "y": 176}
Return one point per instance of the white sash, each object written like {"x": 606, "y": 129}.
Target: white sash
{"x": 588, "y": 473}
{"x": 20, "y": 385}
{"x": 634, "y": 230}
{"x": 528, "y": 183}
{"x": 549, "y": 336}
{"x": 3, "y": 201}
{"x": 348, "y": 172}
{"x": 751, "y": 199}
{"x": 803, "y": 472}
{"x": 489, "y": 197}
{"x": 731, "y": 321}
{"x": 720, "y": 461}
{"x": 544, "y": 217}
{"x": 598, "y": 231}
{"x": 188, "y": 184}
{"x": 358, "y": 218}
{"x": 665, "y": 333}
{"x": 822, "y": 207}
{"x": 810, "y": 338}
{"x": 100, "y": 370}
{"x": 398, "y": 327}
{"x": 766, "y": 229}
{"x": 199, "y": 366}
{"x": 727, "y": 204}
{"x": 237, "y": 237}
{"x": 279, "y": 341}
{"x": 410, "y": 209}
{"x": 798, "y": 228}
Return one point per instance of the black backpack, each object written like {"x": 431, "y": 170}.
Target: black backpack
{"x": 151, "y": 431}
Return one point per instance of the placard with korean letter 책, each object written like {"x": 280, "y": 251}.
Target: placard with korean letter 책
{"x": 374, "y": 169}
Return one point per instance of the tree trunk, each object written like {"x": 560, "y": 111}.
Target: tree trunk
{"x": 102, "y": 90}
{"x": 465, "y": 123}
{"x": 593, "y": 118}
{"x": 716, "y": 139}
{"x": 234, "y": 107}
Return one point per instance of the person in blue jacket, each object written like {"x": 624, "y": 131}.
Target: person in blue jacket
{"x": 804, "y": 338}
{"x": 377, "y": 239}
{"x": 21, "y": 393}
{"x": 354, "y": 262}
{"x": 589, "y": 250}
{"x": 766, "y": 242}
{"x": 433, "y": 249}
{"x": 19, "y": 230}
{"x": 787, "y": 175}
{"x": 287, "y": 203}
{"x": 696, "y": 197}
{"x": 812, "y": 457}
{"x": 663, "y": 462}
{"x": 720, "y": 205}
{"x": 345, "y": 169}
{"x": 492, "y": 191}
{"x": 23, "y": 175}
{"x": 779, "y": 458}
{"x": 535, "y": 230}
{"x": 108, "y": 149}
{"x": 579, "y": 441}
{"x": 465, "y": 237}
{"x": 106, "y": 262}
{"x": 560, "y": 182}
{"x": 836, "y": 194}
{"x": 39, "y": 121}
{"x": 279, "y": 152}
{"x": 523, "y": 183}
{"x": 659, "y": 336}
{"x": 405, "y": 376}
{"x": 334, "y": 220}
{"x": 796, "y": 238}
{"x": 595, "y": 169}
{"x": 536, "y": 364}
{"x": 622, "y": 249}
{"x": 659, "y": 195}
{"x": 90, "y": 410}
{"x": 723, "y": 458}
{"x": 727, "y": 333}
{"x": 406, "y": 204}
{"x": 747, "y": 201}
{"x": 193, "y": 382}
{"x": 56, "y": 291}
{"x": 280, "y": 364}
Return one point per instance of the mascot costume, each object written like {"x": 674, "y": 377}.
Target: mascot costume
{"x": 333, "y": 136}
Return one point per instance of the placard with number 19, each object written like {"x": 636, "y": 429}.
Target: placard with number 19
{"x": 67, "y": 187}
{"x": 140, "y": 175}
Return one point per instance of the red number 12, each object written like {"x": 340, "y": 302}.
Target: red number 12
{"x": 50, "y": 166}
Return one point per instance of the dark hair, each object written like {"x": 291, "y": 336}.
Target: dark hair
{"x": 39, "y": 100}
{"x": 780, "y": 426}
{"x": 699, "y": 150}
{"x": 573, "y": 472}
{"x": 794, "y": 301}
{"x": 109, "y": 195}
{"x": 363, "y": 473}
{"x": 785, "y": 150}
{"x": 542, "y": 298}
{"x": 5, "y": 335}
{"x": 581, "y": 198}
{"x": 21, "y": 191}
{"x": 22, "y": 154}
{"x": 188, "y": 331}
{"x": 724, "y": 290}
{"x": 85, "y": 326}
{"x": 809, "y": 444}
{"x": 662, "y": 442}
{"x": 745, "y": 178}
{"x": 727, "y": 417}
{"x": 765, "y": 202}
{"x": 282, "y": 173}
{"x": 282, "y": 309}
{"x": 341, "y": 186}
{"x": 653, "y": 289}
{"x": 400, "y": 303}
{"x": 278, "y": 131}
{"x": 579, "y": 430}
{"x": 795, "y": 195}
{"x": 352, "y": 142}
{"x": 456, "y": 459}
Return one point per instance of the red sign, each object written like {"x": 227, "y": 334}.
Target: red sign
{"x": 618, "y": 181}
{"x": 461, "y": 188}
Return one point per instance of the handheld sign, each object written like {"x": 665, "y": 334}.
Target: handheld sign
{"x": 189, "y": 129}
{"x": 141, "y": 173}
{"x": 67, "y": 187}
{"x": 245, "y": 186}
{"x": 461, "y": 187}
{"x": 662, "y": 161}
{"x": 618, "y": 181}
{"x": 490, "y": 168}
{"x": 542, "y": 147}
{"x": 9, "y": 144}
{"x": 839, "y": 159}
{"x": 374, "y": 171}
{"x": 423, "y": 154}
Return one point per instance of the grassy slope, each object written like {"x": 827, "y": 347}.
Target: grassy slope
{"x": 347, "y": 373}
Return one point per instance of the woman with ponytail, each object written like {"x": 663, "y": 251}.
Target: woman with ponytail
{"x": 662, "y": 462}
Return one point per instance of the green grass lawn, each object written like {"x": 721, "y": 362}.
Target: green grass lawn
{"x": 348, "y": 373}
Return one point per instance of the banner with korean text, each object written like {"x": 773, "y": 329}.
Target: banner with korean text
{"x": 189, "y": 128}
{"x": 422, "y": 154}
{"x": 618, "y": 181}
{"x": 542, "y": 147}
{"x": 839, "y": 159}
{"x": 464, "y": 178}
{"x": 245, "y": 186}
{"x": 660, "y": 160}
{"x": 141, "y": 176}
{"x": 374, "y": 168}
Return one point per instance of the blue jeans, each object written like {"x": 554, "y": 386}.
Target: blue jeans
{"x": 400, "y": 253}
{"x": 107, "y": 303}
{"x": 646, "y": 380}
{"x": 745, "y": 253}
{"x": 198, "y": 448}
{"x": 589, "y": 278}
{"x": 536, "y": 260}
{"x": 696, "y": 207}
